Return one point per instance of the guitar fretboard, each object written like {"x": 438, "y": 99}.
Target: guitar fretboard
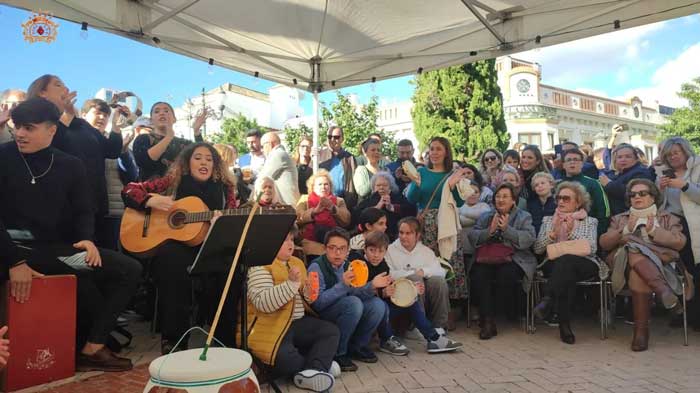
{"x": 208, "y": 215}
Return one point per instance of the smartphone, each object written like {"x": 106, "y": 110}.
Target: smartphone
{"x": 670, "y": 173}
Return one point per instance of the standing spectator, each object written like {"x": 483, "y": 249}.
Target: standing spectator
{"x": 642, "y": 244}
{"x": 600, "y": 208}
{"x": 9, "y": 99}
{"x": 371, "y": 149}
{"x": 626, "y": 166}
{"x": 156, "y": 150}
{"x": 118, "y": 173}
{"x": 320, "y": 211}
{"x": 386, "y": 197}
{"x": 355, "y": 310}
{"x": 280, "y": 167}
{"x": 531, "y": 162}
{"x": 511, "y": 230}
{"x": 544, "y": 205}
{"x": 78, "y": 138}
{"x": 679, "y": 179}
{"x": 405, "y": 152}
{"x": 569, "y": 222}
{"x": 588, "y": 169}
{"x": 252, "y": 162}
{"x": 362, "y": 159}
{"x": 598, "y": 160}
{"x": 407, "y": 256}
{"x": 341, "y": 167}
{"x": 302, "y": 157}
{"x": 491, "y": 163}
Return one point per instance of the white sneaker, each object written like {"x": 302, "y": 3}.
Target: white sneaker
{"x": 335, "y": 369}
{"x": 414, "y": 335}
{"x": 313, "y": 380}
{"x": 443, "y": 344}
{"x": 440, "y": 331}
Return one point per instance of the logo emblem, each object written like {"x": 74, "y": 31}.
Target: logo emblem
{"x": 40, "y": 28}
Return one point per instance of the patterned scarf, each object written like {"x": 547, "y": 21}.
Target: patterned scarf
{"x": 565, "y": 223}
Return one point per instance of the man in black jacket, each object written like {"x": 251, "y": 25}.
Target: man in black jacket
{"x": 45, "y": 205}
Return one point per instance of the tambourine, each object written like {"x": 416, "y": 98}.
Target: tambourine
{"x": 359, "y": 267}
{"x": 410, "y": 170}
{"x": 464, "y": 189}
{"x": 314, "y": 286}
{"x": 129, "y": 100}
{"x": 405, "y": 292}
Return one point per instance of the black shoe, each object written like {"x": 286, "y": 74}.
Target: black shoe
{"x": 345, "y": 363}
{"x": 543, "y": 309}
{"x": 364, "y": 355}
{"x": 565, "y": 333}
{"x": 553, "y": 320}
{"x": 102, "y": 360}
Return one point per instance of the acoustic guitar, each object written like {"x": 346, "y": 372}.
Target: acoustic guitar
{"x": 188, "y": 221}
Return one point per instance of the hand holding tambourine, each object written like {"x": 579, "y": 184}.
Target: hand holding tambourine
{"x": 411, "y": 171}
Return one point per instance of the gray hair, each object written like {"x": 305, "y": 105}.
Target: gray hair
{"x": 669, "y": 143}
{"x": 258, "y": 188}
{"x": 385, "y": 175}
{"x": 584, "y": 199}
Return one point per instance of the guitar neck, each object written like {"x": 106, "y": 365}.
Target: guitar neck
{"x": 208, "y": 215}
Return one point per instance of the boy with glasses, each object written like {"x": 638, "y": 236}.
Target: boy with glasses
{"x": 573, "y": 160}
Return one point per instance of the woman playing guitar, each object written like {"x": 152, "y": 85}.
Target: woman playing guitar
{"x": 200, "y": 172}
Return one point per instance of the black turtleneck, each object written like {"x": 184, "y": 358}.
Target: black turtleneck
{"x": 58, "y": 208}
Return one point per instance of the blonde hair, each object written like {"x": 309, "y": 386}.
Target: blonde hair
{"x": 317, "y": 174}
{"x": 546, "y": 176}
{"x": 226, "y": 152}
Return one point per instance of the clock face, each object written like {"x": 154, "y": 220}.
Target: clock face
{"x": 523, "y": 86}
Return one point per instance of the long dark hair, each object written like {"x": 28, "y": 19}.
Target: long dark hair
{"x": 369, "y": 216}
{"x": 448, "y": 152}
{"x": 498, "y": 156}
{"x": 541, "y": 165}
{"x": 181, "y": 167}
{"x": 478, "y": 179}
{"x": 164, "y": 103}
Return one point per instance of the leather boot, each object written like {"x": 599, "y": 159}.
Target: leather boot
{"x": 565, "y": 333}
{"x": 641, "y": 309}
{"x": 488, "y": 328}
{"x": 648, "y": 271}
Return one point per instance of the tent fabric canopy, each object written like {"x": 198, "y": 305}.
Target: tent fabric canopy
{"x": 321, "y": 45}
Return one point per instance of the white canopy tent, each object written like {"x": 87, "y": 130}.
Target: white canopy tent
{"x": 320, "y": 45}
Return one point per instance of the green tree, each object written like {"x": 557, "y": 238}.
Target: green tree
{"x": 292, "y": 137}
{"x": 464, "y": 104}
{"x": 233, "y": 132}
{"x": 685, "y": 121}
{"x": 356, "y": 124}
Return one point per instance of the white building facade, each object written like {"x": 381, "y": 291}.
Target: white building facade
{"x": 546, "y": 115}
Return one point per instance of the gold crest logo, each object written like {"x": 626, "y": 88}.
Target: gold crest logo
{"x": 40, "y": 28}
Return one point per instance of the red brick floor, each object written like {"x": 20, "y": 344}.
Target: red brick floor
{"x": 128, "y": 382}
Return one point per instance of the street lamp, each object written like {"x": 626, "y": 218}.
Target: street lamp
{"x": 212, "y": 114}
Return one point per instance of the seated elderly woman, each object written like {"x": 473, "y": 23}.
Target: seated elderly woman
{"x": 267, "y": 192}
{"x": 502, "y": 240}
{"x": 569, "y": 239}
{"x": 512, "y": 176}
{"x": 386, "y": 197}
{"x": 320, "y": 211}
{"x": 645, "y": 242}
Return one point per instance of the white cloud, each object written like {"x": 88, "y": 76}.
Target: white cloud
{"x": 667, "y": 79}
{"x": 567, "y": 63}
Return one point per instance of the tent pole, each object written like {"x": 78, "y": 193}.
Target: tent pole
{"x": 316, "y": 147}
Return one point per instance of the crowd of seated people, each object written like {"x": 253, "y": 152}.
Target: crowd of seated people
{"x": 463, "y": 235}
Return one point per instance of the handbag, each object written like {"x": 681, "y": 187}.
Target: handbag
{"x": 579, "y": 247}
{"x": 421, "y": 215}
{"x": 494, "y": 254}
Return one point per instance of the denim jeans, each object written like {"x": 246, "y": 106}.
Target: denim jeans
{"x": 416, "y": 313}
{"x": 356, "y": 319}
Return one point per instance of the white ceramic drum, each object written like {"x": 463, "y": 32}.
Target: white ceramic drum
{"x": 405, "y": 292}
{"x": 226, "y": 370}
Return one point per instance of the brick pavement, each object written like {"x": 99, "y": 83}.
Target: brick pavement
{"x": 512, "y": 362}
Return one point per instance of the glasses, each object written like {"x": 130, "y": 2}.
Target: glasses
{"x": 490, "y": 158}
{"x": 335, "y": 137}
{"x": 573, "y": 160}
{"x": 641, "y": 194}
{"x": 337, "y": 250}
{"x": 564, "y": 198}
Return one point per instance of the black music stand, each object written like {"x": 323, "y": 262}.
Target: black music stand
{"x": 265, "y": 236}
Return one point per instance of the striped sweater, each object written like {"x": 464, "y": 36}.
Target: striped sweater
{"x": 267, "y": 297}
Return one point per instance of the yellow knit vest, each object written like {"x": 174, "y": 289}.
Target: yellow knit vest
{"x": 267, "y": 330}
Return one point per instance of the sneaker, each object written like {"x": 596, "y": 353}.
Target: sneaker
{"x": 443, "y": 344}
{"x": 313, "y": 380}
{"x": 394, "y": 347}
{"x": 345, "y": 363}
{"x": 440, "y": 331}
{"x": 553, "y": 320}
{"x": 335, "y": 369}
{"x": 413, "y": 335}
{"x": 365, "y": 355}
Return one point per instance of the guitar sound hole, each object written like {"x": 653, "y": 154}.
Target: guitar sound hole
{"x": 177, "y": 219}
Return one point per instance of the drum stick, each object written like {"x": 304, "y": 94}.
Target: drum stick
{"x": 203, "y": 356}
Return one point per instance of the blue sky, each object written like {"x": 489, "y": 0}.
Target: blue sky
{"x": 650, "y": 61}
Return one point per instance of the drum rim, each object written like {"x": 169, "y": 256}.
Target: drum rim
{"x": 408, "y": 304}
{"x": 200, "y": 383}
